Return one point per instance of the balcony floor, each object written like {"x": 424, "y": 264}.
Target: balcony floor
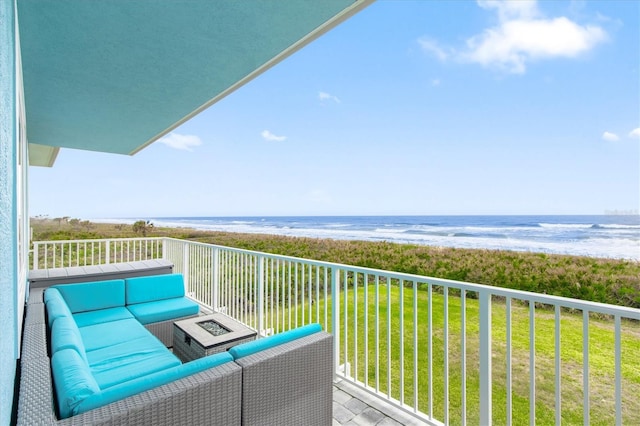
{"x": 352, "y": 406}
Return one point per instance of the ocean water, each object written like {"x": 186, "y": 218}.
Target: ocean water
{"x": 594, "y": 236}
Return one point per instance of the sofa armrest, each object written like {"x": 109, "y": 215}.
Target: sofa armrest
{"x": 289, "y": 384}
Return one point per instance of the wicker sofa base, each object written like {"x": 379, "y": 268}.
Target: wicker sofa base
{"x": 164, "y": 330}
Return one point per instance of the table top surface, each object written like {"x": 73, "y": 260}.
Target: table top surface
{"x": 237, "y": 330}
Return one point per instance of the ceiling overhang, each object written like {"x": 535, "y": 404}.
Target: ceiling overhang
{"x": 116, "y": 76}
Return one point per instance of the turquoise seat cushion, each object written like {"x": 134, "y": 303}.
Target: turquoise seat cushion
{"x": 129, "y": 360}
{"x": 256, "y": 346}
{"x": 84, "y": 319}
{"x": 164, "y": 310}
{"x": 72, "y": 380}
{"x": 145, "y": 383}
{"x": 66, "y": 335}
{"x": 56, "y": 306}
{"x": 111, "y": 333}
{"x": 152, "y": 288}
{"x": 93, "y": 295}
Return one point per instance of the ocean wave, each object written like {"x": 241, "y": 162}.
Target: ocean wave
{"x": 615, "y": 226}
{"x": 566, "y": 225}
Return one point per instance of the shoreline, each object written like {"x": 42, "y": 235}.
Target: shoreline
{"x": 600, "y": 245}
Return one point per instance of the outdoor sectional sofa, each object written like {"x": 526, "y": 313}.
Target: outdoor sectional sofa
{"x": 87, "y": 358}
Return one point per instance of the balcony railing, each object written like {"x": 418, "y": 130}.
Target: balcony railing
{"x": 447, "y": 352}
{"x": 69, "y": 253}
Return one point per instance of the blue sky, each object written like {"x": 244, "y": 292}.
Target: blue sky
{"x": 410, "y": 107}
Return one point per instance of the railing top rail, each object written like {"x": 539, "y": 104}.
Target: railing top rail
{"x": 95, "y": 240}
{"x": 582, "y": 305}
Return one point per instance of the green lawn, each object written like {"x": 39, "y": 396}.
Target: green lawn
{"x": 601, "y": 356}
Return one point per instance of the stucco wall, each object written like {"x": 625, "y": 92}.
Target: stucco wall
{"x": 8, "y": 225}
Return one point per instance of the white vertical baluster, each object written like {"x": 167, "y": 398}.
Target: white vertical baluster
{"x": 558, "y": 367}
{"x": 430, "y": 346}
{"x": 215, "y": 279}
{"x": 445, "y": 291}
{"x": 463, "y": 354}
{"x": 355, "y": 325}
{"x": 366, "y": 329}
{"x": 532, "y": 363}
{"x": 401, "y": 332}
{"x": 260, "y": 298}
{"x": 335, "y": 315}
{"x": 388, "y": 337}
{"x": 585, "y": 366}
{"x": 377, "y": 330}
{"x": 415, "y": 346}
{"x": 508, "y": 356}
{"x": 485, "y": 357}
{"x": 618, "y": 368}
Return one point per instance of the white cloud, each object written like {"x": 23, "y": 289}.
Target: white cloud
{"x": 514, "y": 43}
{"x": 522, "y": 36}
{"x": 324, "y": 96}
{"x": 635, "y": 133}
{"x": 610, "y": 137}
{"x": 433, "y": 47}
{"x": 268, "y": 136}
{"x": 181, "y": 142}
{"x": 435, "y": 82}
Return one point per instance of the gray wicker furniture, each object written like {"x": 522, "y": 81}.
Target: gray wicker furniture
{"x": 211, "y": 397}
{"x": 290, "y": 384}
{"x": 191, "y": 341}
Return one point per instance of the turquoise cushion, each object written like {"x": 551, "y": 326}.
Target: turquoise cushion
{"x": 56, "y": 306}
{"x": 151, "y": 381}
{"x": 163, "y": 310}
{"x": 111, "y": 333}
{"x": 52, "y": 294}
{"x": 73, "y": 381}
{"x": 152, "y": 288}
{"x": 93, "y": 295}
{"x": 65, "y": 335}
{"x": 129, "y": 360}
{"x": 84, "y": 319}
{"x": 255, "y": 346}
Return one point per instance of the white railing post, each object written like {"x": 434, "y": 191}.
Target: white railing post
{"x": 185, "y": 266}
{"x": 165, "y": 241}
{"x": 215, "y": 278}
{"x": 335, "y": 318}
{"x": 260, "y": 295}
{"x": 485, "y": 357}
{"x": 108, "y": 253}
{"x": 36, "y": 250}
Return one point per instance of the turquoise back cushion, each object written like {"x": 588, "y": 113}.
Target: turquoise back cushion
{"x": 93, "y": 295}
{"x": 73, "y": 381}
{"x": 66, "y": 335}
{"x": 152, "y": 288}
{"x": 56, "y": 306}
{"x": 255, "y": 346}
{"x": 141, "y": 384}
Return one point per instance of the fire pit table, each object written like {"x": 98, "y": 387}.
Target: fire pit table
{"x": 198, "y": 337}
